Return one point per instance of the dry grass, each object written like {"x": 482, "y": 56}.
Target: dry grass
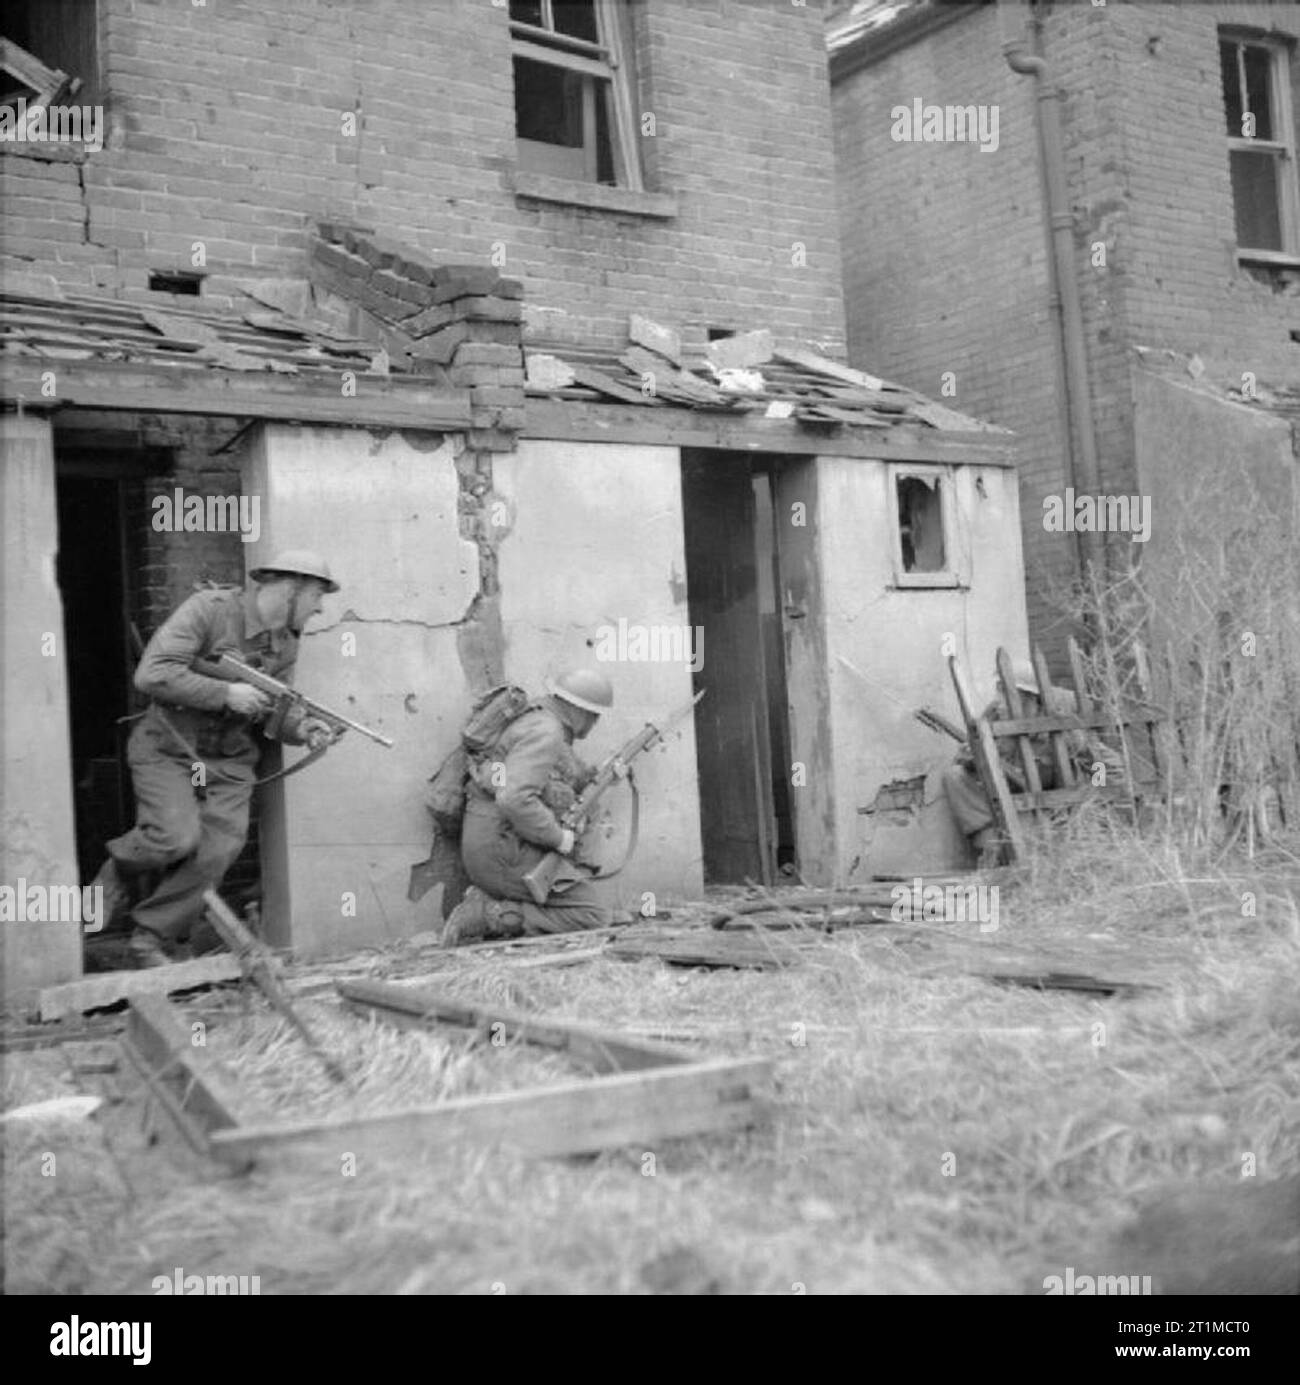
{"x": 935, "y": 1132}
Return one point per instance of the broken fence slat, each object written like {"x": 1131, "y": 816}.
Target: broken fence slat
{"x": 605, "y": 1050}
{"x": 95, "y": 992}
{"x": 640, "y": 1108}
{"x": 197, "y": 1091}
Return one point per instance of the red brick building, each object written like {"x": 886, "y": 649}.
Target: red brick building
{"x": 526, "y": 315}
{"x": 1181, "y": 220}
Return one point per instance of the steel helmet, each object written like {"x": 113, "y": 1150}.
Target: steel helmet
{"x": 296, "y": 562}
{"x": 1024, "y": 677}
{"x": 583, "y": 687}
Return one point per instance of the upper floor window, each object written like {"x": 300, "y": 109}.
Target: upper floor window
{"x": 1261, "y": 147}
{"x": 574, "y": 117}
{"x": 49, "y": 53}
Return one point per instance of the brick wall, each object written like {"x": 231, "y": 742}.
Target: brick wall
{"x": 1184, "y": 289}
{"x": 226, "y": 127}
{"x": 1147, "y": 172}
{"x": 946, "y": 258}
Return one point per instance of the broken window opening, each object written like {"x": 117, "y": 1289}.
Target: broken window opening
{"x": 920, "y": 523}
{"x": 49, "y": 53}
{"x": 1261, "y": 147}
{"x": 574, "y": 117}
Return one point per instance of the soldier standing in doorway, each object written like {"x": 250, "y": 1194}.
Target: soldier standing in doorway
{"x": 193, "y": 754}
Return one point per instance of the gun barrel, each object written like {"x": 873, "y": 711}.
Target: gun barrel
{"x": 256, "y": 678}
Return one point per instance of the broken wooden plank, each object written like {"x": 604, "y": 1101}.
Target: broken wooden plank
{"x": 988, "y": 763}
{"x": 640, "y": 1109}
{"x": 572, "y": 958}
{"x": 832, "y": 413}
{"x": 113, "y": 987}
{"x": 605, "y": 1050}
{"x": 602, "y": 383}
{"x": 742, "y": 951}
{"x": 1011, "y": 699}
{"x": 821, "y": 365}
{"x": 259, "y": 965}
{"x": 1070, "y": 981}
{"x": 669, "y": 382}
{"x": 642, "y": 331}
{"x": 197, "y": 1091}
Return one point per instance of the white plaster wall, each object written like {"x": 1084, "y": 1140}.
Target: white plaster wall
{"x": 886, "y": 657}
{"x": 37, "y": 841}
{"x": 382, "y": 509}
{"x": 594, "y": 533}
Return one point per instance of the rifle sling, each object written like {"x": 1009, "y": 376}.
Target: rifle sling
{"x": 309, "y": 759}
{"x": 631, "y": 836}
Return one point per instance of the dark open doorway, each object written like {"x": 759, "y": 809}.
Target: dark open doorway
{"x": 95, "y": 577}
{"x": 742, "y": 726}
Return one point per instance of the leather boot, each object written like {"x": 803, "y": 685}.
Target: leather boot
{"x": 468, "y": 921}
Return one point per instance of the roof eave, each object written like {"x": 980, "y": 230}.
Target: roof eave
{"x": 874, "y": 45}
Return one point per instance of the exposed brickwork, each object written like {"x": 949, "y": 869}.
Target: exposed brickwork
{"x": 945, "y": 248}
{"x": 227, "y": 128}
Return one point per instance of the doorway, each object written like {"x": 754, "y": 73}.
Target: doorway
{"x": 742, "y": 725}
{"x": 95, "y": 580}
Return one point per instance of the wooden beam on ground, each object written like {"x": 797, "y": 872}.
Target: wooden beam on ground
{"x": 604, "y": 1050}
{"x": 640, "y": 1109}
{"x": 193, "y": 1087}
{"x": 746, "y": 951}
{"x": 112, "y": 987}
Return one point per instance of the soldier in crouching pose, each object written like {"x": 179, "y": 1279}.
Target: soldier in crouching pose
{"x": 961, "y": 783}
{"x": 194, "y": 751}
{"x": 513, "y": 805}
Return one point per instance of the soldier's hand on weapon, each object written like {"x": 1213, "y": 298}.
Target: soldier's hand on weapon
{"x": 316, "y": 733}
{"x": 246, "y": 700}
{"x": 619, "y": 770}
{"x": 568, "y": 841}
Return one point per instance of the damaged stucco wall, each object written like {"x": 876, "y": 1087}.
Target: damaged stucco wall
{"x": 887, "y": 655}
{"x": 37, "y": 844}
{"x": 384, "y": 509}
{"x": 592, "y": 533}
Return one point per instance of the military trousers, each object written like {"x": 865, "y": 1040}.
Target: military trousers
{"x": 191, "y": 834}
{"x": 497, "y": 859}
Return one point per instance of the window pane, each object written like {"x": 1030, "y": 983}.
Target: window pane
{"x": 526, "y": 11}
{"x": 604, "y": 147}
{"x": 548, "y": 104}
{"x": 920, "y": 524}
{"x": 1231, "y": 87}
{"x": 1259, "y": 75}
{"x": 1255, "y": 199}
{"x": 577, "y": 18}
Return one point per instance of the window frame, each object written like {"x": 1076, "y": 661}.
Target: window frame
{"x": 951, "y": 574}
{"x": 603, "y": 61}
{"x": 1282, "y": 148}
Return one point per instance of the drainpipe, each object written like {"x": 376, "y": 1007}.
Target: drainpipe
{"x": 1083, "y": 470}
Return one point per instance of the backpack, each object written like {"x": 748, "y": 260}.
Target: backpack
{"x": 487, "y": 720}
